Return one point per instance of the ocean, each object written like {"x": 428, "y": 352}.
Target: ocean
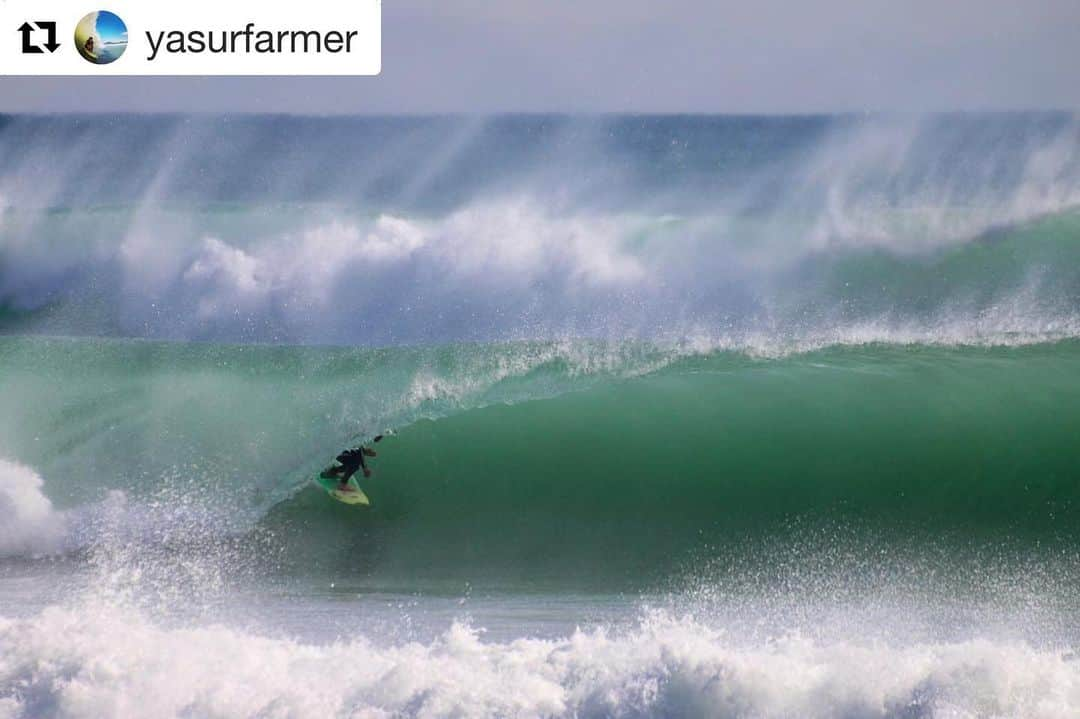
{"x": 689, "y": 416}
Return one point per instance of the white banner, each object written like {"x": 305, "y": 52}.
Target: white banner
{"x": 190, "y": 37}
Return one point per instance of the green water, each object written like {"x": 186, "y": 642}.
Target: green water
{"x": 588, "y": 460}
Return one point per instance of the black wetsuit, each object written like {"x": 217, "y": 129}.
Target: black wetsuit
{"x": 351, "y": 460}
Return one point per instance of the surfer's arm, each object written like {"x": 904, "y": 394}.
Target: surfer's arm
{"x": 363, "y": 465}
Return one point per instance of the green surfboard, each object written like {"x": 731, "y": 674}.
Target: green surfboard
{"x": 353, "y": 495}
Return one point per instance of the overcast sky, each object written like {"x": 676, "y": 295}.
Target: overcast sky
{"x": 754, "y": 56}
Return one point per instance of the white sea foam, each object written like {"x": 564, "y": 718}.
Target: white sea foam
{"x": 499, "y": 246}
{"x": 103, "y": 662}
{"x": 29, "y": 525}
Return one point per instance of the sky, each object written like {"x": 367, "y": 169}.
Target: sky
{"x": 671, "y": 56}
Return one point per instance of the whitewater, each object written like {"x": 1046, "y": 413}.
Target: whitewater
{"x": 692, "y": 416}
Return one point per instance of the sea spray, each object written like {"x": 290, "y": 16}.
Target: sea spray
{"x": 438, "y": 231}
{"x": 29, "y": 525}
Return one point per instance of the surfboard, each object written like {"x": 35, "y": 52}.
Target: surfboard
{"x": 355, "y": 496}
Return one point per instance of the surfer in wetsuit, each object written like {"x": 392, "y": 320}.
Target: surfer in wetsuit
{"x": 349, "y": 461}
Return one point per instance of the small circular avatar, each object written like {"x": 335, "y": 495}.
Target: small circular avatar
{"x": 101, "y": 37}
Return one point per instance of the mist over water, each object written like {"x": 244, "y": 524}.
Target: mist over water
{"x": 388, "y": 231}
{"x": 694, "y": 416}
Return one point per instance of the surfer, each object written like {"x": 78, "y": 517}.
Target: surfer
{"x": 349, "y": 461}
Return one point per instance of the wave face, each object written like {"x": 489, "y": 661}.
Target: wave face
{"x": 577, "y": 462}
{"x": 638, "y": 477}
